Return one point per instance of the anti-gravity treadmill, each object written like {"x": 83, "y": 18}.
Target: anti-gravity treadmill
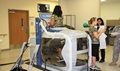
{"x": 76, "y": 50}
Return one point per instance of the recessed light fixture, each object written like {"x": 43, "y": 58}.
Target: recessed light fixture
{"x": 103, "y": 0}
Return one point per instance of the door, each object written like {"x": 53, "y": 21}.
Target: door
{"x": 18, "y": 26}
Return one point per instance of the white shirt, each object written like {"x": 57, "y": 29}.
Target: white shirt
{"x": 102, "y": 38}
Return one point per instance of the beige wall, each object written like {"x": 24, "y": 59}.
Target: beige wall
{"x": 110, "y": 11}
{"x": 30, "y": 5}
{"x": 83, "y": 9}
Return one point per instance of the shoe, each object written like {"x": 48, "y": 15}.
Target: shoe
{"x": 60, "y": 60}
{"x": 101, "y": 61}
{"x": 97, "y": 59}
{"x": 112, "y": 64}
{"x": 57, "y": 57}
{"x": 94, "y": 68}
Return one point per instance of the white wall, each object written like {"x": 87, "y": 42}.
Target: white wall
{"x": 83, "y": 9}
{"x": 110, "y": 11}
{"x": 30, "y": 5}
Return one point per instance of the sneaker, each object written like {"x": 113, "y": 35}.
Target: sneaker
{"x": 112, "y": 64}
{"x": 57, "y": 57}
{"x": 97, "y": 59}
{"x": 101, "y": 61}
{"x": 60, "y": 60}
{"x": 94, "y": 68}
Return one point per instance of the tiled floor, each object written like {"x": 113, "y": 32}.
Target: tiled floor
{"x": 11, "y": 56}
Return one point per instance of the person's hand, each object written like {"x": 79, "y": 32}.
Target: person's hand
{"x": 113, "y": 35}
{"x": 103, "y": 30}
{"x": 49, "y": 25}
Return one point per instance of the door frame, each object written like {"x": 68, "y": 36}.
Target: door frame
{"x": 9, "y": 21}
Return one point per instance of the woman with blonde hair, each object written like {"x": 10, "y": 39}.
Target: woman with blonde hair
{"x": 94, "y": 34}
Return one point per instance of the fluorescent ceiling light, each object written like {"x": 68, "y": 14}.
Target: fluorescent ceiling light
{"x": 103, "y": 0}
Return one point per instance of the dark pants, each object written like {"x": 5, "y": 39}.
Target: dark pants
{"x": 102, "y": 54}
{"x": 97, "y": 54}
{"x": 95, "y": 51}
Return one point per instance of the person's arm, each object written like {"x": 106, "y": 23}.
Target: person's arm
{"x": 51, "y": 23}
{"x": 114, "y": 29}
{"x": 96, "y": 34}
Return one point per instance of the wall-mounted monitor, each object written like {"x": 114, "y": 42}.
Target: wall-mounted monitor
{"x": 43, "y": 8}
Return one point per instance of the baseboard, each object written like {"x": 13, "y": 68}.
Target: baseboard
{"x": 4, "y": 50}
{"x": 15, "y": 46}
